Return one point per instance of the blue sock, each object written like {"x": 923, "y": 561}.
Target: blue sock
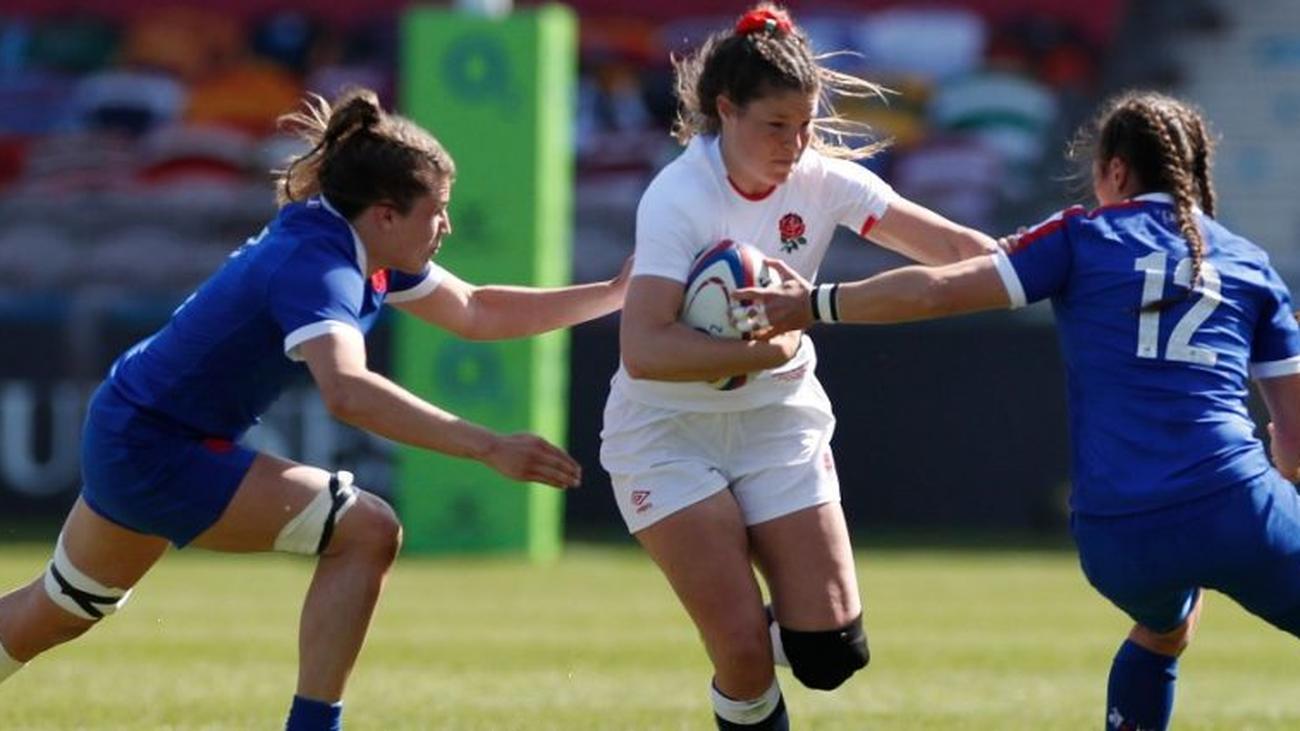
{"x": 1140, "y": 696}
{"x": 308, "y": 715}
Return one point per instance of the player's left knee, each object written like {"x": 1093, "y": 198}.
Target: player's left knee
{"x": 374, "y": 529}
{"x": 823, "y": 660}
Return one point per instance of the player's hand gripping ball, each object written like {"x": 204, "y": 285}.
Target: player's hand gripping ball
{"x": 707, "y": 304}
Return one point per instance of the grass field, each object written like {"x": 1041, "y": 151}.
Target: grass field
{"x": 974, "y": 639}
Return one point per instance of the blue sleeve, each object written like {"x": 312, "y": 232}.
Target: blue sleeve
{"x": 317, "y": 290}
{"x": 403, "y": 287}
{"x": 1040, "y": 261}
{"x": 399, "y": 281}
{"x": 1275, "y": 347}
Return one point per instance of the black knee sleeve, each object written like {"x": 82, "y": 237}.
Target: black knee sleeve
{"x": 824, "y": 660}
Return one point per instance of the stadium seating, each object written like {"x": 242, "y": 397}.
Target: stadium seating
{"x": 137, "y": 139}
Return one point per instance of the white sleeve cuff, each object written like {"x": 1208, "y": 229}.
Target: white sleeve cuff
{"x": 1010, "y": 280}
{"x": 432, "y": 279}
{"x": 1275, "y": 368}
{"x": 314, "y": 330}
{"x": 410, "y": 294}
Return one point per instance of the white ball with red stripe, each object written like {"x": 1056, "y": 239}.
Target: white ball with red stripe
{"x": 706, "y": 303}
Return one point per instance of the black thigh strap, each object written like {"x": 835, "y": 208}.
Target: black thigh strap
{"x": 84, "y": 599}
{"x": 338, "y": 496}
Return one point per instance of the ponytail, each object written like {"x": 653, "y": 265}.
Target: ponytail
{"x": 359, "y": 155}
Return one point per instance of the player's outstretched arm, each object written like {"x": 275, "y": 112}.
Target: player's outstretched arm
{"x": 1282, "y": 397}
{"x": 900, "y": 295}
{"x": 656, "y": 346}
{"x": 356, "y": 395}
{"x": 497, "y": 312}
{"x": 925, "y": 236}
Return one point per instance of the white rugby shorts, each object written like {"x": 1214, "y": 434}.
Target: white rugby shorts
{"x": 776, "y": 459}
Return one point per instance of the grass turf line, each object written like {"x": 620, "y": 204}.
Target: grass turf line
{"x": 969, "y": 639}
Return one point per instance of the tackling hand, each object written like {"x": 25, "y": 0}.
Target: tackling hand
{"x": 529, "y": 458}
{"x": 1008, "y": 243}
{"x": 619, "y": 282}
{"x": 764, "y": 313}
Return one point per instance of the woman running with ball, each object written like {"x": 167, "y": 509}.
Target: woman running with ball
{"x": 710, "y": 480}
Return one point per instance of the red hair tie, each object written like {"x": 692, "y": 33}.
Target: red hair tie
{"x": 763, "y": 21}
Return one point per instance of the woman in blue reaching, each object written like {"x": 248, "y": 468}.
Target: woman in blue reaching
{"x": 1163, "y": 316}
{"x": 363, "y": 212}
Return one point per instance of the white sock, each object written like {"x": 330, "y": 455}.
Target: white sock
{"x": 746, "y": 713}
{"x": 778, "y": 649}
{"x": 8, "y": 665}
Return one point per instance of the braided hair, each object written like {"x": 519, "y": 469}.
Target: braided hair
{"x": 1166, "y": 145}
{"x": 764, "y": 52}
{"x": 360, "y": 155}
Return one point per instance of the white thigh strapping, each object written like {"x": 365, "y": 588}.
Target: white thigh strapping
{"x": 77, "y": 593}
{"x": 303, "y": 533}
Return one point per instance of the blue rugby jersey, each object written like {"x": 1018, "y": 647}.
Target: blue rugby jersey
{"x": 231, "y": 347}
{"x": 1158, "y": 398}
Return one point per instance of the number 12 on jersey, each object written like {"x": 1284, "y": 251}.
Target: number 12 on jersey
{"x": 1179, "y": 348}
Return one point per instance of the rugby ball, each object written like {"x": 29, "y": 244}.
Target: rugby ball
{"x": 706, "y": 301}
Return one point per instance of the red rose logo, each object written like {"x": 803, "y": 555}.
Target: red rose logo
{"x": 791, "y": 226}
{"x": 792, "y": 229}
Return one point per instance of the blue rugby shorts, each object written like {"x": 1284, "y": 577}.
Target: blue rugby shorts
{"x": 151, "y": 476}
{"x": 1243, "y": 540}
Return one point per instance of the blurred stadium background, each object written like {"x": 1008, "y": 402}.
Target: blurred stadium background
{"x": 135, "y": 137}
